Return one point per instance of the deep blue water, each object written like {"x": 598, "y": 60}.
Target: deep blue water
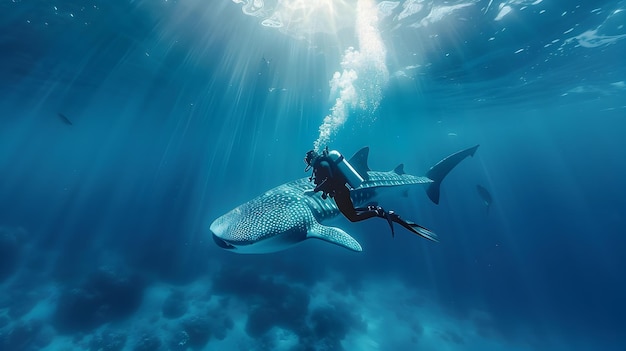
{"x": 182, "y": 110}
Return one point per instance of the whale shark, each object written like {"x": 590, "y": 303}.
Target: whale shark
{"x": 292, "y": 212}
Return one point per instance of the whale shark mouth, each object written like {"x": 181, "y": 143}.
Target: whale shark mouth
{"x": 222, "y": 243}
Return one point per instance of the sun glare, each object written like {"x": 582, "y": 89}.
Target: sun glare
{"x": 302, "y": 18}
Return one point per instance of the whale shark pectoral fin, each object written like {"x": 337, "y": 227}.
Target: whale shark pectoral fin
{"x": 335, "y": 236}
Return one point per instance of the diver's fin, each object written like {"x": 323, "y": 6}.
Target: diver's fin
{"x": 359, "y": 162}
{"x": 439, "y": 171}
{"x": 415, "y": 228}
{"x": 335, "y": 236}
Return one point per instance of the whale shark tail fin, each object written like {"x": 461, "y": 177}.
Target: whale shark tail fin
{"x": 439, "y": 171}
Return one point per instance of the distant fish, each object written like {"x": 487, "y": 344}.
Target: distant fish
{"x": 65, "y": 119}
{"x": 484, "y": 195}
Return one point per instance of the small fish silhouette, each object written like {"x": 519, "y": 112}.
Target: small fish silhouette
{"x": 484, "y": 195}
{"x": 65, "y": 119}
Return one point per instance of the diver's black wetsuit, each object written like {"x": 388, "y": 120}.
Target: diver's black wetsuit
{"x": 331, "y": 182}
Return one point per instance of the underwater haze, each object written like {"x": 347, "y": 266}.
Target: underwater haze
{"x": 127, "y": 127}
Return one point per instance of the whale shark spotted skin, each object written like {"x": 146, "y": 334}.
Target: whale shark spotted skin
{"x": 291, "y": 213}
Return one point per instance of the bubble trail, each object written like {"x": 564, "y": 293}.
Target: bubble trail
{"x": 359, "y": 86}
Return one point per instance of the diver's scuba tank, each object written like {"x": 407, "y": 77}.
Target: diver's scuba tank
{"x": 353, "y": 177}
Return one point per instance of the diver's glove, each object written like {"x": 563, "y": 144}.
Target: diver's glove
{"x": 323, "y": 187}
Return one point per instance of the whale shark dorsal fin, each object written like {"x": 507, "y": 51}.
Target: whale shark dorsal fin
{"x": 359, "y": 162}
{"x": 335, "y": 236}
{"x": 399, "y": 169}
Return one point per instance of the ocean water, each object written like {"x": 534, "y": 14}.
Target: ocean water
{"x": 127, "y": 127}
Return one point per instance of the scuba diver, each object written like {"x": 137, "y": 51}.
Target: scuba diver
{"x": 332, "y": 174}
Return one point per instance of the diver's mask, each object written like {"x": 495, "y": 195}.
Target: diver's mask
{"x": 309, "y": 159}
